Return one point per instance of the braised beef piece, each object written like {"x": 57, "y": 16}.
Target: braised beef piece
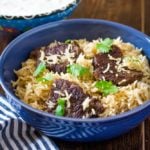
{"x": 62, "y": 67}
{"x": 96, "y": 106}
{"x": 59, "y": 49}
{"x": 101, "y": 59}
{"x": 77, "y": 97}
{"x": 123, "y": 77}
{"x": 35, "y": 54}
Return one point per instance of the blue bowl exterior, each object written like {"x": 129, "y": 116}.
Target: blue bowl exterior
{"x": 14, "y": 25}
{"x": 61, "y": 127}
{"x": 79, "y": 131}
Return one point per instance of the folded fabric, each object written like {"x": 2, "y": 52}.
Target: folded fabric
{"x": 15, "y": 134}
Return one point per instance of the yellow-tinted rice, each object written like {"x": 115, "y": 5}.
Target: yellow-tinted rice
{"x": 128, "y": 97}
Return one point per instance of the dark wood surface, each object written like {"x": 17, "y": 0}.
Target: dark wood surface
{"x": 134, "y": 13}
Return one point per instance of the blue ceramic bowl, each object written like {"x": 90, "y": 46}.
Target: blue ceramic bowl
{"x": 21, "y": 24}
{"x": 62, "y": 127}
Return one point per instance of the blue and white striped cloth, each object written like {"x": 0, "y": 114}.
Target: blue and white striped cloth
{"x": 15, "y": 134}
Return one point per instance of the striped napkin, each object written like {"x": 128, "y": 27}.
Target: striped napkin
{"x": 15, "y": 134}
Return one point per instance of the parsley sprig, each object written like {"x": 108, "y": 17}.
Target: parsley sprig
{"x": 106, "y": 87}
{"x": 105, "y": 45}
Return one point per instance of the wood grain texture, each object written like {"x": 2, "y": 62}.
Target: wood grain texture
{"x": 124, "y": 11}
{"x": 147, "y": 134}
{"x": 129, "y": 141}
{"x": 5, "y": 38}
{"x": 146, "y": 15}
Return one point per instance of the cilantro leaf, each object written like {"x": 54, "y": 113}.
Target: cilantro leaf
{"x": 40, "y": 68}
{"x": 107, "y": 41}
{"x": 46, "y": 78}
{"x": 68, "y": 41}
{"x": 61, "y": 101}
{"x": 77, "y": 70}
{"x": 105, "y": 45}
{"x": 60, "y": 109}
{"x": 106, "y": 87}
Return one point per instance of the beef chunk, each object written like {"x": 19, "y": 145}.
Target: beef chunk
{"x": 106, "y": 67}
{"x": 58, "y": 67}
{"x": 59, "y": 49}
{"x": 122, "y": 78}
{"x": 35, "y": 54}
{"x": 76, "y": 99}
{"x": 101, "y": 59}
{"x": 95, "y": 108}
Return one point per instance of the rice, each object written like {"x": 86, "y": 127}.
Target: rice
{"x": 128, "y": 97}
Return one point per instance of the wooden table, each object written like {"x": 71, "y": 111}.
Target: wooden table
{"x": 134, "y": 13}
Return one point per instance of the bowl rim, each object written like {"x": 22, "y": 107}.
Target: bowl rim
{"x": 117, "y": 117}
{"x": 16, "y": 18}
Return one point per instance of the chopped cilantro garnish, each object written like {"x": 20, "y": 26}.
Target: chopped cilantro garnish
{"x": 60, "y": 109}
{"x": 106, "y": 87}
{"x": 68, "y": 41}
{"x": 105, "y": 45}
{"x": 40, "y": 68}
{"x": 61, "y": 101}
{"x": 77, "y": 70}
{"x": 46, "y": 78}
